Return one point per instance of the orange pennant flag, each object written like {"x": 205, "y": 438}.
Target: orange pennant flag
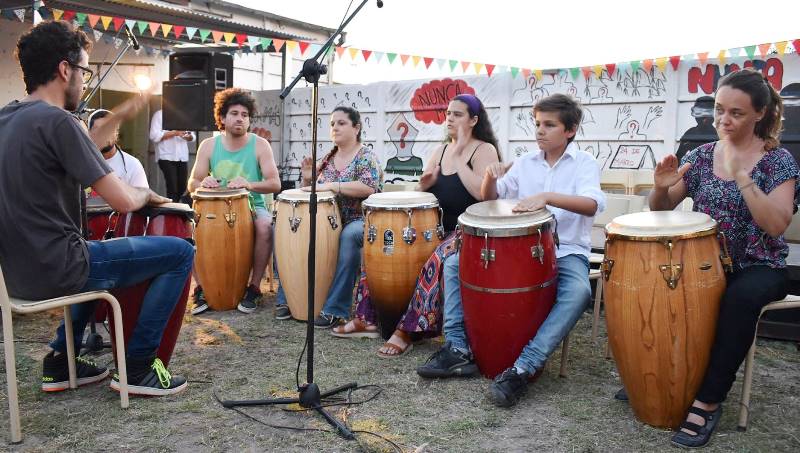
{"x": 781, "y": 47}
{"x": 339, "y": 50}
{"x": 702, "y": 57}
{"x": 353, "y": 52}
{"x": 721, "y": 56}
{"x": 165, "y": 28}
{"x": 415, "y": 59}
{"x": 57, "y": 13}
{"x": 92, "y": 18}
{"x": 586, "y": 72}
{"x": 217, "y": 35}
{"x": 763, "y": 49}
{"x": 478, "y": 67}
{"x": 106, "y": 21}
{"x": 598, "y": 70}
{"x": 403, "y": 59}
{"x": 661, "y": 62}
{"x": 526, "y": 73}
{"x": 154, "y": 28}
{"x": 464, "y": 66}
{"x": 278, "y": 44}
{"x": 647, "y": 65}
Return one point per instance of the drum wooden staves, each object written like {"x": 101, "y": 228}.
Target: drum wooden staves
{"x": 224, "y": 238}
{"x": 401, "y": 231}
{"x": 664, "y": 280}
{"x": 509, "y": 277}
{"x": 292, "y": 236}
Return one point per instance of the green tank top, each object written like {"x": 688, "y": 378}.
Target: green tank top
{"x": 227, "y": 165}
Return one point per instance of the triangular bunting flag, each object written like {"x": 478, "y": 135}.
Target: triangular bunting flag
{"x": 353, "y": 52}
{"x": 781, "y": 47}
{"x": 117, "y": 43}
{"x": 428, "y": 62}
{"x": 97, "y": 35}
{"x": 586, "y": 72}
{"x": 265, "y": 43}
{"x": 538, "y": 73}
{"x": 314, "y": 49}
{"x": 253, "y": 41}
{"x": 478, "y": 67}
{"x": 241, "y": 39}
{"x": 661, "y": 63}
{"x": 735, "y": 52}
{"x": 611, "y": 67}
{"x": 574, "y": 72}
{"x": 69, "y": 15}
{"x": 702, "y": 57}
{"x": 80, "y": 18}
{"x": 177, "y": 30}
{"x": 721, "y": 56}
{"x": 216, "y": 35}
{"x": 106, "y": 22}
{"x": 403, "y": 59}
{"x": 57, "y": 13}
{"x": 415, "y": 59}
{"x": 796, "y": 45}
{"x": 452, "y": 64}
{"x": 153, "y": 26}
{"x": 391, "y": 56}
{"x": 142, "y": 26}
{"x": 763, "y": 49}
{"x": 339, "y": 51}
{"x": 464, "y": 66}
{"x": 489, "y": 69}
{"x": 526, "y": 73}
{"x": 514, "y": 72}
{"x": 229, "y": 37}
{"x": 291, "y": 47}
{"x": 647, "y": 65}
{"x": 131, "y": 23}
{"x": 635, "y": 65}
{"x": 328, "y": 51}
{"x": 366, "y": 54}
{"x": 20, "y": 13}
{"x": 190, "y": 32}
{"x": 278, "y": 44}
{"x": 441, "y": 62}
{"x": 675, "y": 60}
{"x": 92, "y": 18}
{"x": 165, "y": 28}
{"x": 378, "y": 56}
{"x": 304, "y": 47}
{"x": 689, "y": 57}
{"x": 204, "y": 35}
{"x": 598, "y": 70}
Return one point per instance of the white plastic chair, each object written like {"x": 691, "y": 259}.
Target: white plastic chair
{"x": 641, "y": 182}
{"x": 10, "y": 305}
{"x": 615, "y": 181}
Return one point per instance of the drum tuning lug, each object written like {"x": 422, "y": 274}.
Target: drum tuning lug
{"x": 332, "y": 221}
{"x": 274, "y": 216}
{"x": 486, "y": 256}
{"x": 705, "y": 266}
{"x": 671, "y": 274}
{"x": 440, "y": 231}
{"x": 537, "y": 251}
{"x": 231, "y": 219}
{"x": 294, "y": 223}
{"x": 388, "y": 242}
{"x": 428, "y": 235}
{"x": 605, "y": 268}
{"x": 372, "y": 232}
{"x": 197, "y": 217}
{"x": 409, "y": 235}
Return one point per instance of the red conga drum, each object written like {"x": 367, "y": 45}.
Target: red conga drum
{"x": 509, "y": 276}
{"x": 101, "y": 219}
{"x": 169, "y": 219}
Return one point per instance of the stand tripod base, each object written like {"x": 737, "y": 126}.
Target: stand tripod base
{"x": 311, "y": 398}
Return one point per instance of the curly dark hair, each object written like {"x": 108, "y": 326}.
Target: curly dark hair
{"x": 44, "y": 47}
{"x": 224, "y": 99}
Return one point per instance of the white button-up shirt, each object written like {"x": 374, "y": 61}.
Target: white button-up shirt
{"x": 575, "y": 173}
{"x": 173, "y": 148}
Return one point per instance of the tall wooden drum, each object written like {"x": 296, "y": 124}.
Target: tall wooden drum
{"x": 401, "y": 231}
{"x": 509, "y": 278}
{"x": 224, "y": 238}
{"x": 663, "y": 283}
{"x": 292, "y": 235}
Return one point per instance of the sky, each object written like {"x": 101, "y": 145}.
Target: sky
{"x": 541, "y": 35}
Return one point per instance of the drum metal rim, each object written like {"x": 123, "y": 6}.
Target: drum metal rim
{"x": 400, "y": 207}
{"x": 629, "y": 237}
{"x": 219, "y": 196}
{"x": 320, "y": 197}
{"x": 526, "y": 289}
{"x": 507, "y": 231}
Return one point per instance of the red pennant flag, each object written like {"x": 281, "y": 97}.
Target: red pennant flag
{"x": 795, "y": 43}
{"x": 339, "y": 51}
{"x": 69, "y": 15}
{"x": 303, "y": 46}
{"x": 154, "y": 28}
{"x": 675, "y": 60}
{"x": 92, "y": 18}
{"x": 490, "y": 69}
{"x": 178, "y": 30}
{"x": 118, "y": 21}
{"x": 404, "y": 58}
{"x": 428, "y": 62}
{"x": 647, "y": 64}
{"x": 526, "y": 73}
{"x": 366, "y": 54}
{"x": 586, "y": 71}
{"x": 465, "y": 65}
{"x": 611, "y": 67}
{"x": 764, "y": 48}
{"x": 241, "y": 38}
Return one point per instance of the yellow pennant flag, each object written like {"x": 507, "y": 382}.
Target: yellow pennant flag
{"x": 415, "y": 59}
{"x": 353, "y": 52}
{"x": 661, "y": 63}
{"x": 721, "y": 56}
{"x": 165, "y": 28}
{"x": 291, "y": 46}
{"x": 228, "y": 37}
{"x": 57, "y": 13}
{"x": 781, "y": 46}
{"x": 538, "y": 73}
{"x": 598, "y": 70}
{"x": 105, "y": 20}
{"x": 478, "y": 67}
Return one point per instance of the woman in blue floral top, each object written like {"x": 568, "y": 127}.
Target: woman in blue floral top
{"x": 750, "y": 186}
{"x": 352, "y": 172}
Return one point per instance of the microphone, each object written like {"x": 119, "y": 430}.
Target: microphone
{"x": 380, "y": 3}
{"x": 132, "y": 38}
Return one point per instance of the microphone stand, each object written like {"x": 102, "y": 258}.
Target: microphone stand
{"x": 131, "y": 42}
{"x": 309, "y": 393}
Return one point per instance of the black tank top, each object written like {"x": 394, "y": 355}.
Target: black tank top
{"x": 453, "y": 197}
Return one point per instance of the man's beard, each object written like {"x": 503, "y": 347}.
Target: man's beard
{"x": 107, "y": 148}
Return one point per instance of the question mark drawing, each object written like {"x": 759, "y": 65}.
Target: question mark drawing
{"x": 354, "y": 105}
{"x": 403, "y": 126}
{"x": 366, "y": 99}
{"x": 322, "y": 101}
{"x": 367, "y": 121}
{"x": 347, "y": 95}
{"x": 294, "y": 125}
{"x": 359, "y": 94}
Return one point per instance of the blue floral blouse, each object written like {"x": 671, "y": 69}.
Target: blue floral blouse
{"x": 364, "y": 168}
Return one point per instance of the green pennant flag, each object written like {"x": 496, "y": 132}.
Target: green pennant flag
{"x": 391, "y": 57}
{"x": 514, "y": 72}
{"x": 204, "y": 34}
{"x": 574, "y": 72}
{"x": 751, "y": 50}
{"x": 329, "y": 52}
{"x": 265, "y": 43}
{"x": 635, "y": 65}
{"x": 142, "y": 26}
{"x": 453, "y": 64}
{"x": 80, "y": 18}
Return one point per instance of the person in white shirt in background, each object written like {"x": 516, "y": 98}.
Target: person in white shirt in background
{"x": 172, "y": 153}
{"x": 125, "y": 166}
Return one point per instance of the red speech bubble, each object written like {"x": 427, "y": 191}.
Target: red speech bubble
{"x": 429, "y": 102}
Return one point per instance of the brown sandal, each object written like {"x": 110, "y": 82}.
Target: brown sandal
{"x": 396, "y": 349}
{"x": 355, "y": 328}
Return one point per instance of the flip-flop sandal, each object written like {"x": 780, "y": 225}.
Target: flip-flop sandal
{"x": 397, "y": 350}
{"x": 355, "y": 328}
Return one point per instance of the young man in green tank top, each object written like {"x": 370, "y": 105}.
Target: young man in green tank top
{"x": 239, "y": 159}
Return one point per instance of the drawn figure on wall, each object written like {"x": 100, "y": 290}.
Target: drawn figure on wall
{"x": 632, "y": 132}
{"x": 703, "y": 132}
{"x": 790, "y": 138}
{"x": 290, "y": 172}
{"x": 402, "y": 134}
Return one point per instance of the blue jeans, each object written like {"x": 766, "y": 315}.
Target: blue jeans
{"x": 340, "y": 296}
{"x": 124, "y": 262}
{"x": 572, "y": 298}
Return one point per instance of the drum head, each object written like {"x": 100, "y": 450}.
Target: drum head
{"x": 203, "y": 193}
{"x": 655, "y": 225}
{"x": 495, "y": 218}
{"x": 299, "y": 195}
{"x": 96, "y": 205}
{"x": 179, "y": 209}
{"x": 401, "y": 200}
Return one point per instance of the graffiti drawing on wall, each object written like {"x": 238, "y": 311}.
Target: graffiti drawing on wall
{"x": 430, "y": 100}
{"x": 402, "y": 134}
{"x": 704, "y": 131}
{"x": 706, "y": 80}
{"x": 633, "y": 157}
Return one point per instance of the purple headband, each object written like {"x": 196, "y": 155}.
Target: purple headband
{"x": 473, "y": 104}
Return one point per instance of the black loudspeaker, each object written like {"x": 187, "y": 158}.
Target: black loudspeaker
{"x": 188, "y": 97}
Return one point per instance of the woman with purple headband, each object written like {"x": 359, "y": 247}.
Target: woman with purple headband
{"x": 454, "y": 173}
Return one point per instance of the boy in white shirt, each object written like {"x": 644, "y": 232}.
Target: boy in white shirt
{"x": 566, "y": 180}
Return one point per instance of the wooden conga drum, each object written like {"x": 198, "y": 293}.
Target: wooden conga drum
{"x": 224, "y": 238}
{"x": 664, "y": 280}
{"x": 292, "y": 236}
{"x": 509, "y": 278}
{"x": 401, "y": 231}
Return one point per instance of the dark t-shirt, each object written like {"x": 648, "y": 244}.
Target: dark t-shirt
{"x": 45, "y": 158}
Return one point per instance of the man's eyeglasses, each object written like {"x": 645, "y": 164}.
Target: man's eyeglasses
{"x": 87, "y": 73}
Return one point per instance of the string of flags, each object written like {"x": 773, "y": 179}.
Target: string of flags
{"x": 97, "y": 27}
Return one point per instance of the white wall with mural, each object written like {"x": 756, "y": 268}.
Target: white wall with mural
{"x": 633, "y": 117}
